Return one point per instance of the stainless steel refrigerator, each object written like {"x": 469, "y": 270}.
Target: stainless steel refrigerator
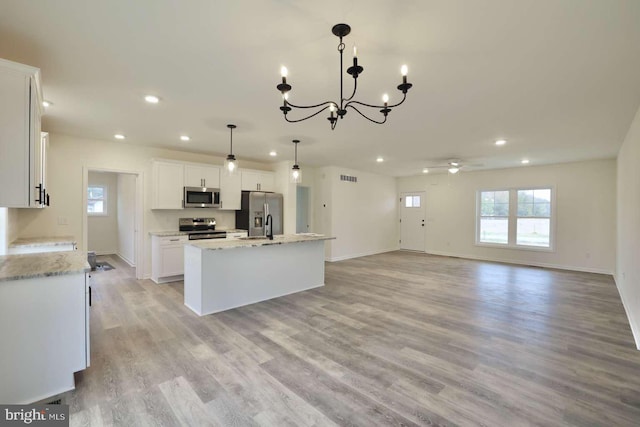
{"x": 254, "y": 208}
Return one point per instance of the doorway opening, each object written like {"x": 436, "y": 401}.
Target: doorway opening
{"x": 112, "y": 217}
{"x": 302, "y": 210}
{"x": 412, "y": 221}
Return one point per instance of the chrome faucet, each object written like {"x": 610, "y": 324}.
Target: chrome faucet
{"x": 268, "y": 227}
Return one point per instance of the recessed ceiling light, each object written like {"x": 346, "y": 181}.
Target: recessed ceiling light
{"x": 425, "y": 170}
{"x": 273, "y": 153}
{"x": 151, "y": 99}
{"x": 184, "y": 138}
{"x": 379, "y": 160}
{"x": 453, "y": 170}
{"x": 46, "y": 104}
{"x": 524, "y": 161}
{"x": 119, "y": 136}
{"x": 455, "y": 164}
{"x": 501, "y": 142}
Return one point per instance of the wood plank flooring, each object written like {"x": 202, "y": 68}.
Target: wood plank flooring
{"x": 392, "y": 339}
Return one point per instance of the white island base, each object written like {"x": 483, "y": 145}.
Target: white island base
{"x": 220, "y": 276}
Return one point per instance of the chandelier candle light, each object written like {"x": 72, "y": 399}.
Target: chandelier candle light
{"x": 339, "y": 110}
{"x": 296, "y": 173}
{"x": 231, "y": 164}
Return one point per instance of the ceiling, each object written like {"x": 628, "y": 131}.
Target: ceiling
{"x": 559, "y": 80}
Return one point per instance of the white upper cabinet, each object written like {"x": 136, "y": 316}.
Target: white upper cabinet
{"x": 167, "y": 184}
{"x": 21, "y": 159}
{"x": 201, "y": 176}
{"x": 230, "y": 191}
{"x": 254, "y": 180}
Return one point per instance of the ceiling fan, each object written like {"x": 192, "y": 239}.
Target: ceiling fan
{"x": 452, "y": 166}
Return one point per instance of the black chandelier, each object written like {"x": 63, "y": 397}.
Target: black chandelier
{"x": 340, "y": 109}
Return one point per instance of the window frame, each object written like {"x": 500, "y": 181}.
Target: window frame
{"x": 513, "y": 219}
{"x": 104, "y": 199}
{"x": 479, "y": 218}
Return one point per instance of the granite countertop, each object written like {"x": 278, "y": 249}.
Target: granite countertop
{"x": 16, "y": 267}
{"x": 43, "y": 241}
{"x": 184, "y": 233}
{"x": 168, "y": 233}
{"x": 241, "y": 243}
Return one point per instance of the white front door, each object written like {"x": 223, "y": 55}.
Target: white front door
{"x": 412, "y": 221}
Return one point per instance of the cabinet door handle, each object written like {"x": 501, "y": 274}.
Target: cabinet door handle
{"x": 89, "y": 296}
{"x": 173, "y": 240}
{"x": 204, "y": 182}
{"x": 47, "y": 200}
{"x": 40, "y": 199}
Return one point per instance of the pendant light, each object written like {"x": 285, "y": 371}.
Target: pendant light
{"x": 296, "y": 173}
{"x": 231, "y": 164}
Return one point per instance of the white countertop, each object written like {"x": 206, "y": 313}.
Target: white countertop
{"x": 25, "y": 266}
{"x": 43, "y": 241}
{"x": 215, "y": 244}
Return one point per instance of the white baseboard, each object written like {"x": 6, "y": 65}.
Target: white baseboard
{"x": 635, "y": 330}
{"x": 518, "y": 262}
{"x": 342, "y": 258}
{"x": 131, "y": 263}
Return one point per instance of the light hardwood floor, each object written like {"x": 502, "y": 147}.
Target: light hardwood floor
{"x": 392, "y": 339}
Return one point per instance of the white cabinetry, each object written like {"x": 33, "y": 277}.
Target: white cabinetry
{"x": 253, "y": 180}
{"x": 167, "y": 258}
{"x": 230, "y": 191}
{"x": 44, "y": 324}
{"x": 236, "y": 234}
{"x": 201, "y": 176}
{"x": 167, "y": 184}
{"x": 21, "y": 159}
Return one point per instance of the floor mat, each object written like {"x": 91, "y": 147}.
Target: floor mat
{"x": 104, "y": 266}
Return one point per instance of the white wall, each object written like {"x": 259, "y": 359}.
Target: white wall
{"x": 628, "y": 262}
{"x": 126, "y": 215}
{"x": 288, "y": 190}
{"x": 67, "y": 158}
{"x": 4, "y": 231}
{"x": 585, "y": 213}
{"x": 103, "y": 229}
{"x": 361, "y": 216}
{"x": 12, "y": 223}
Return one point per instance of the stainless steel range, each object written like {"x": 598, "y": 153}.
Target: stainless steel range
{"x": 201, "y": 228}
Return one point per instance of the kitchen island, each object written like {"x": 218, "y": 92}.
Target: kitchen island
{"x": 224, "y": 274}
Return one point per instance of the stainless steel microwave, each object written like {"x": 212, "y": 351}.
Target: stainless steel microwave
{"x": 201, "y": 197}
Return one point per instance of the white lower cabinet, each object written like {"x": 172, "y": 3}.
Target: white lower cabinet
{"x": 44, "y": 328}
{"x": 167, "y": 258}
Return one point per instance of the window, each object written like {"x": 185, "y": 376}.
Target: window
{"x": 534, "y": 218}
{"x": 520, "y": 217}
{"x": 97, "y": 200}
{"x": 494, "y": 217}
{"x": 412, "y": 202}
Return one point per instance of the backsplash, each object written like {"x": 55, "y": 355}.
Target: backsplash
{"x": 166, "y": 220}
